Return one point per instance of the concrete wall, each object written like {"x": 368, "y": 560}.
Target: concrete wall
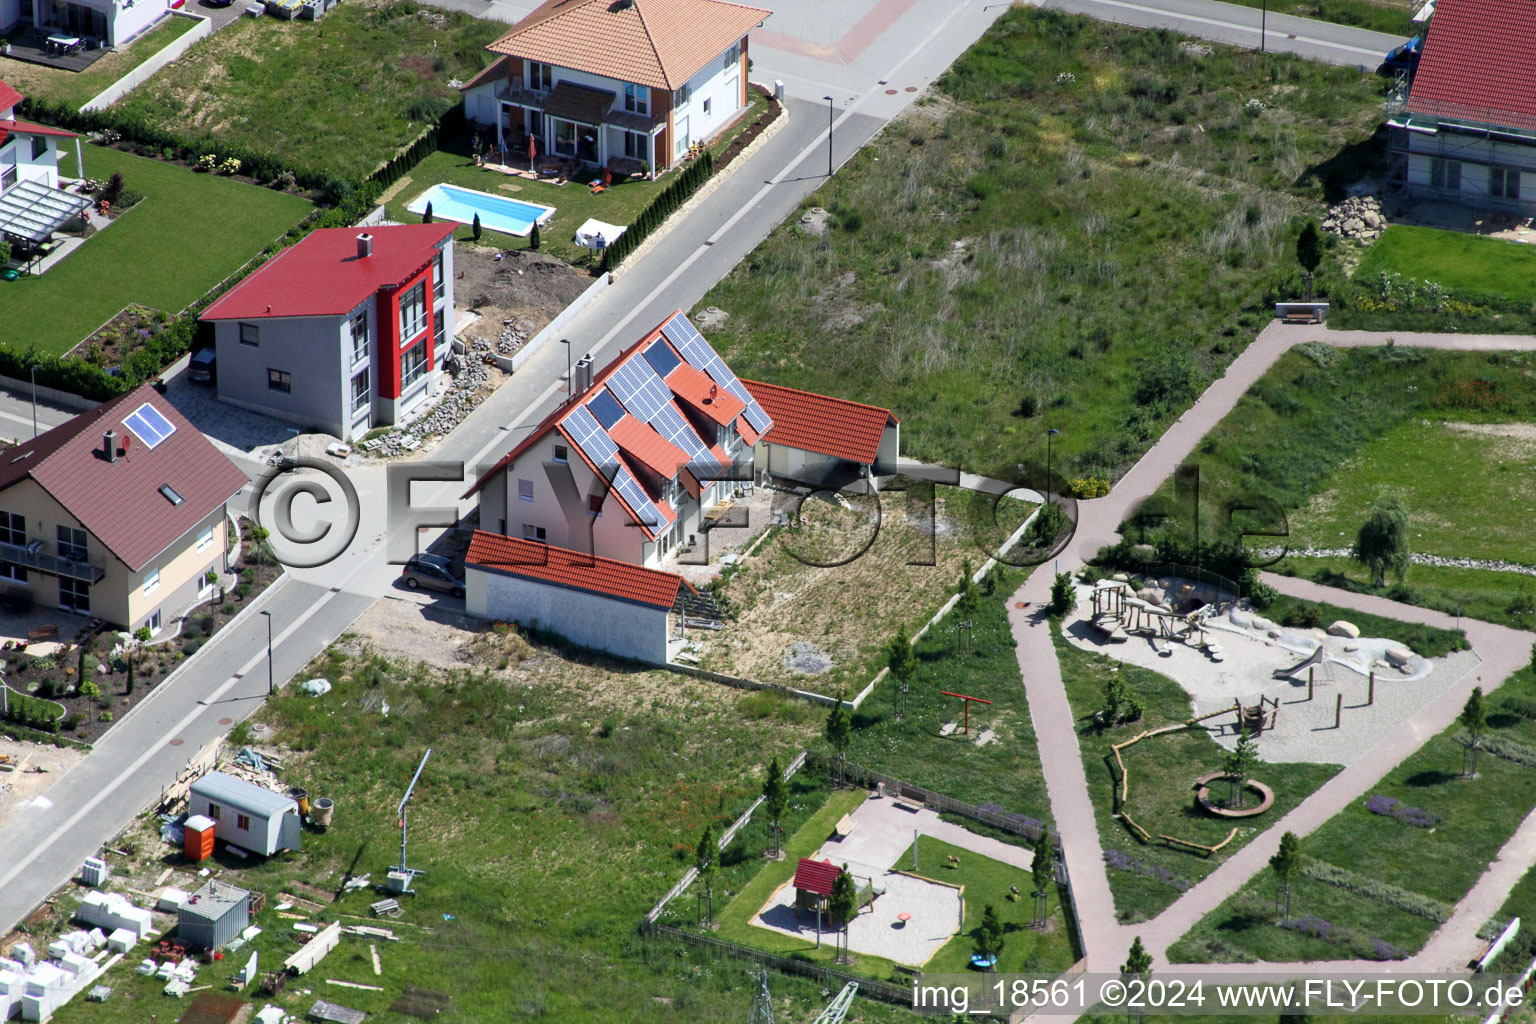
{"x": 141, "y": 74}
{"x": 310, "y": 349}
{"x": 589, "y": 620}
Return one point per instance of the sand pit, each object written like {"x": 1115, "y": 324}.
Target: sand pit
{"x": 1256, "y": 664}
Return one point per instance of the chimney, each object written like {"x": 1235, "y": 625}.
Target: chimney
{"x": 364, "y": 245}
{"x": 109, "y": 445}
{"x": 584, "y": 374}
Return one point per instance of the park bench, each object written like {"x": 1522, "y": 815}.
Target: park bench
{"x": 1302, "y": 312}
{"x": 844, "y": 826}
{"x": 49, "y": 632}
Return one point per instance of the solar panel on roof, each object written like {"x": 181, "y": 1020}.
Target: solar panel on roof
{"x": 606, "y": 408}
{"x": 661, "y": 357}
{"x": 636, "y": 498}
{"x": 642, "y": 392}
{"x": 149, "y": 425}
{"x": 701, "y": 354}
{"x": 591, "y": 438}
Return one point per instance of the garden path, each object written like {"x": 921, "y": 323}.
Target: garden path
{"x": 1502, "y": 651}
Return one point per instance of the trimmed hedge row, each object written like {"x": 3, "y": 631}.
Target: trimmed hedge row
{"x": 37, "y": 714}
{"x": 659, "y": 209}
{"x": 424, "y": 146}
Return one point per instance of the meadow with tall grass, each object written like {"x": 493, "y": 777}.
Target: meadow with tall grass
{"x": 1076, "y": 229}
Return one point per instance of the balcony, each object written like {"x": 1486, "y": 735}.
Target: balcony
{"x": 32, "y": 557}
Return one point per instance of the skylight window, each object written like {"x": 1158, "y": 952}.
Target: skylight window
{"x": 170, "y": 492}
{"x": 606, "y": 408}
{"x": 661, "y": 357}
{"x": 149, "y": 425}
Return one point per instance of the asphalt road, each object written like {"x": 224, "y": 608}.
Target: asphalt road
{"x": 43, "y": 846}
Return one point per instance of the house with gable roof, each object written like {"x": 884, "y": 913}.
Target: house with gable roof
{"x": 32, "y": 205}
{"x": 118, "y": 513}
{"x": 1463, "y": 129}
{"x": 617, "y": 82}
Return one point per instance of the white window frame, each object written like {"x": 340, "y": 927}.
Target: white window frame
{"x": 732, "y": 57}
{"x": 13, "y": 528}
{"x": 152, "y": 581}
{"x": 254, "y": 340}
{"x": 1504, "y": 182}
{"x": 708, "y": 100}
{"x": 562, "y": 453}
{"x": 683, "y": 140}
{"x": 439, "y": 286}
{"x": 541, "y": 77}
{"x": 154, "y": 623}
{"x": 205, "y": 538}
{"x": 413, "y": 313}
{"x": 411, "y": 370}
{"x": 524, "y": 489}
{"x": 66, "y": 536}
{"x": 535, "y": 533}
{"x": 683, "y": 95}
{"x": 637, "y": 98}
{"x": 1445, "y": 175}
{"x": 361, "y": 338}
{"x": 361, "y": 401}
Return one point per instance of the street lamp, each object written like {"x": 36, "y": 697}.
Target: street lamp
{"x": 271, "y": 685}
{"x": 830, "y": 113}
{"x": 568, "y": 382}
{"x": 34, "y": 399}
{"x": 1263, "y": 22}
{"x": 1048, "y": 435}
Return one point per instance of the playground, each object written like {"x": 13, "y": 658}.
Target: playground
{"x": 1323, "y": 696}
{"x": 906, "y": 917}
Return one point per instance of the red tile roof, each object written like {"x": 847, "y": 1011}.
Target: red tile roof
{"x": 495, "y": 69}
{"x": 648, "y": 447}
{"x": 120, "y": 503}
{"x": 323, "y": 275}
{"x": 694, "y": 387}
{"x": 562, "y": 567}
{"x": 655, "y": 43}
{"x": 817, "y": 423}
{"x": 9, "y": 97}
{"x": 1478, "y": 64}
{"x": 29, "y": 128}
{"x": 816, "y": 876}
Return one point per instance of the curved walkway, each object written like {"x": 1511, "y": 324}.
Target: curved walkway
{"x": 1501, "y": 650}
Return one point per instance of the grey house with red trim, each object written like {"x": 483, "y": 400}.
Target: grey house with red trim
{"x": 345, "y": 331}
{"x": 1464, "y": 128}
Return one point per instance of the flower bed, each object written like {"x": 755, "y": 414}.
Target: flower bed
{"x": 125, "y": 333}
{"x": 91, "y": 678}
{"x": 1389, "y": 807}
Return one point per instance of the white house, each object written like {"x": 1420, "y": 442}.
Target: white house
{"x": 346, "y": 330}
{"x": 1466, "y": 129}
{"x": 614, "y": 83}
{"x": 253, "y": 818}
{"x": 32, "y": 206}
{"x": 110, "y": 22}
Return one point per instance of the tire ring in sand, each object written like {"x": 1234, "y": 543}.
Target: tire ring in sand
{"x": 1204, "y": 796}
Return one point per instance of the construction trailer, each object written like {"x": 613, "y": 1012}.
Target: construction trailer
{"x": 245, "y": 814}
{"x": 213, "y": 916}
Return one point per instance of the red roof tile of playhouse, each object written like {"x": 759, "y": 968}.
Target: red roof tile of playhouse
{"x": 819, "y": 423}
{"x": 655, "y": 43}
{"x": 1478, "y": 64}
{"x": 9, "y": 97}
{"x": 121, "y": 503}
{"x": 816, "y": 876}
{"x": 324, "y": 276}
{"x": 563, "y": 567}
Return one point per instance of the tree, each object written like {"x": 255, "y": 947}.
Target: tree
{"x": 988, "y": 936}
{"x": 1043, "y": 870}
{"x": 1474, "y": 719}
{"x": 474, "y": 228}
{"x": 129, "y": 689}
{"x": 839, "y": 732}
{"x": 901, "y": 660}
{"x": 967, "y": 590}
{"x": 1309, "y": 252}
{"x": 1048, "y": 524}
{"x": 775, "y": 799}
{"x": 704, "y": 861}
{"x": 533, "y": 238}
{"x": 426, "y": 217}
{"x": 1285, "y": 861}
{"x": 1138, "y": 961}
{"x": 1062, "y": 595}
{"x": 1533, "y": 657}
{"x": 1238, "y": 761}
{"x": 841, "y": 905}
{"x": 1382, "y": 543}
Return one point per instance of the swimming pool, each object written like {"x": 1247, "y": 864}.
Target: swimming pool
{"x": 497, "y": 213}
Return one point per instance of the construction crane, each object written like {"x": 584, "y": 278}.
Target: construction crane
{"x": 402, "y": 878}
{"x": 835, "y": 1013}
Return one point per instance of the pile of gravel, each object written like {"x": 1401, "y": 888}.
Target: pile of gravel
{"x": 470, "y": 373}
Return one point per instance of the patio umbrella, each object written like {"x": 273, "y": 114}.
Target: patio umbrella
{"x": 533, "y": 151}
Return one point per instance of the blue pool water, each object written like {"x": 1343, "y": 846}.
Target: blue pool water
{"x": 497, "y": 213}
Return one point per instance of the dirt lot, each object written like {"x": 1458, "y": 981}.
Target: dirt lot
{"x": 526, "y": 287}
{"x": 20, "y": 783}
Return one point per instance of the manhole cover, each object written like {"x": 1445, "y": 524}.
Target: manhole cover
{"x": 890, "y": 92}
{"x": 226, "y": 721}
{"x": 911, "y": 88}
{"x": 178, "y": 741}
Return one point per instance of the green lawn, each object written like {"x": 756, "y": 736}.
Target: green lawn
{"x": 1078, "y": 230}
{"x": 1469, "y": 265}
{"x": 574, "y": 203}
{"x": 1478, "y": 816}
{"x": 1391, "y": 16}
{"x": 1504, "y": 598}
{"x": 188, "y": 233}
{"x": 77, "y": 87}
{"x": 340, "y": 95}
{"x": 1162, "y": 773}
{"x": 1426, "y": 640}
{"x": 562, "y": 799}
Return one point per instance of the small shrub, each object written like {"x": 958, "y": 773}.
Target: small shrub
{"x": 228, "y": 609}
{"x": 1303, "y": 616}
{"x": 105, "y": 716}
{"x": 142, "y": 634}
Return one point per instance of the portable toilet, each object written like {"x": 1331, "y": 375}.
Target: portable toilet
{"x": 198, "y": 843}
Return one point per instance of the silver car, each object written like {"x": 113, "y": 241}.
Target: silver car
{"x": 435, "y": 573}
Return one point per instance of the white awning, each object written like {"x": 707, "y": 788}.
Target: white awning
{"x": 32, "y": 210}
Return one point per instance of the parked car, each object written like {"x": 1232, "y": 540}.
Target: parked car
{"x": 1405, "y": 57}
{"x": 203, "y": 366}
{"x": 435, "y": 573}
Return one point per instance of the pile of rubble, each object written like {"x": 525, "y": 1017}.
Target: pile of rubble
{"x": 514, "y": 335}
{"x": 1358, "y": 217}
{"x": 469, "y": 373}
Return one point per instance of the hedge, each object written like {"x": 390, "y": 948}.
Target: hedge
{"x": 32, "y": 712}
{"x": 663, "y": 206}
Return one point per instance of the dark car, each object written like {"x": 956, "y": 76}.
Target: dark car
{"x": 203, "y": 366}
{"x": 435, "y": 573}
{"x": 1405, "y": 57}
